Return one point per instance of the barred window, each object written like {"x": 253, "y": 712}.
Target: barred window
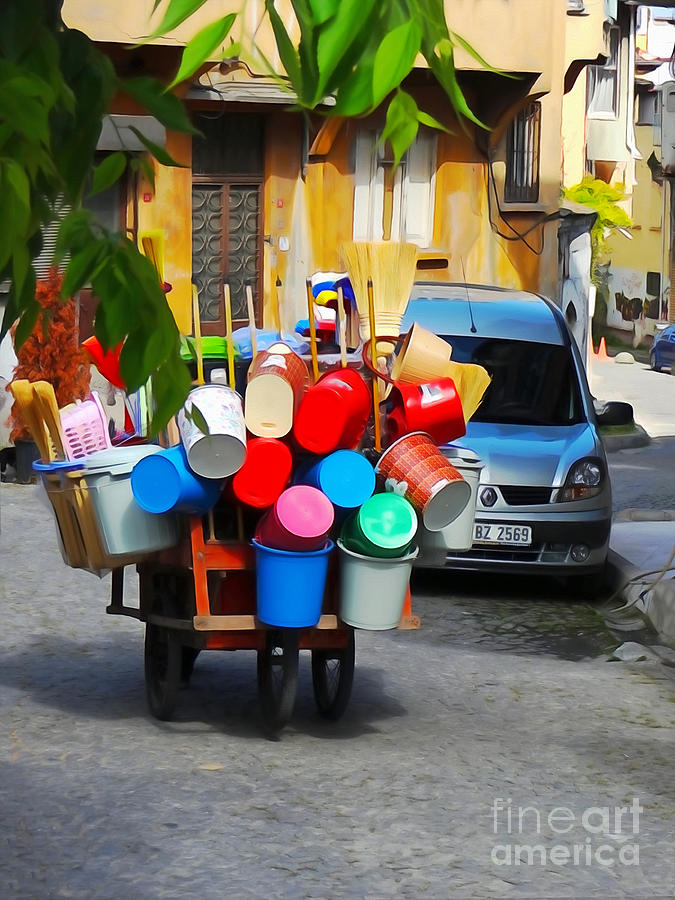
{"x": 522, "y": 156}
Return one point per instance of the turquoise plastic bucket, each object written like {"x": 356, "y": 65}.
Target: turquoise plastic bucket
{"x": 164, "y": 482}
{"x": 290, "y": 585}
{"x": 345, "y": 477}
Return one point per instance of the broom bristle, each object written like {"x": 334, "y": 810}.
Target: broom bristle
{"x": 391, "y": 266}
{"x": 471, "y": 382}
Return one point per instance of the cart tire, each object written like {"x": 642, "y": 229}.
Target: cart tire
{"x": 187, "y": 663}
{"x": 163, "y": 662}
{"x": 278, "y": 677}
{"x": 332, "y": 678}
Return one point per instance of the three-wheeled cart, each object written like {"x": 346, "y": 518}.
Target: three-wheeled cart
{"x": 201, "y": 595}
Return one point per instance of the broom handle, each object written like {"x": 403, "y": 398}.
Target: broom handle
{"x": 342, "y": 328}
{"x": 312, "y": 330}
{"x": 251, "y": 321}
{"x": 228, "y": 334}
{"x": 198, "y": 335}
{"x": 376, "y": 387}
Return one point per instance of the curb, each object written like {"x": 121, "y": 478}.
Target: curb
{"x": 614, "y": 442}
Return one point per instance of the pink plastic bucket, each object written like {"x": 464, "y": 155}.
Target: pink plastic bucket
{"x": 299, "y": 520}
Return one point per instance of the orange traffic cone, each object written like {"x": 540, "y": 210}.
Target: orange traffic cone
{"x": 602, "y": 350}
{"x": 409, "y": 621}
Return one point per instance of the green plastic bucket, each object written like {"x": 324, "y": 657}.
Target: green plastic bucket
{"x": 373, "y": 589}
{"x": 384, "y": 526}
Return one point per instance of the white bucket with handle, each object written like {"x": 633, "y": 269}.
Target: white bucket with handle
{"x": 213, "y": 431}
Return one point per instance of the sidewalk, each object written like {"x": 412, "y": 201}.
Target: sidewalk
{"x": 642, "y": 540}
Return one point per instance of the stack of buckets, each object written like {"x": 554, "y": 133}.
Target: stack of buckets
{"x": 289, "y": 452}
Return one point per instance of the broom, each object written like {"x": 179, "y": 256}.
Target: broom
{"x": 471, "y": 382}
{"x": 391, "y": 267}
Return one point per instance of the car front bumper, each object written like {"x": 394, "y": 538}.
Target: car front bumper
{"x": 549, "y": 553}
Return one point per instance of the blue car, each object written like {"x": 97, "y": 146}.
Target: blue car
{"x": 543, "y": 502}
{"x": 662, "y": 354}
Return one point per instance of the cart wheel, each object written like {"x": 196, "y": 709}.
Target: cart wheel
{"x": 163, "y": 660}
{"x": 332, "y": 678}
{"x": 187, "y": 663}
{"x": 278, "y": 677}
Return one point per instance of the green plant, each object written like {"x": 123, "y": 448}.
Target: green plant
{"x": 604, "y": 199}
{"x": 56, "y": 86}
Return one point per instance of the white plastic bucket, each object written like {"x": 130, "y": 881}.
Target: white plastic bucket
{"x": 373, "y": 589}
{"x": 456, "y": 537}
{"x": 222, "y": 451}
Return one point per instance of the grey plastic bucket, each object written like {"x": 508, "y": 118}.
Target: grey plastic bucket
{"x": 373, "y": 589}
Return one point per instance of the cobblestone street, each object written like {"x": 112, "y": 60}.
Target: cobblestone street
{"x": 510, "y": 699}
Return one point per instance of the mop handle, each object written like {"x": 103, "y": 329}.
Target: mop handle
{"x": 376, "y": 387}
{"x": 312, "y": 331}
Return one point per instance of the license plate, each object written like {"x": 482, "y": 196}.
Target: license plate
{"x": 495, "y": 533}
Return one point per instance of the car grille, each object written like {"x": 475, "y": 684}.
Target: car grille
{"x": 511, "y": 554}
{"x": 524, "y": 496}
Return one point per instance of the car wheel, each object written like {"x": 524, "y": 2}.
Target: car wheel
{"x": 653, "y": 363}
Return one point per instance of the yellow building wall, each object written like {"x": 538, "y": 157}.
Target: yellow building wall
{"x": 169, "y": 208}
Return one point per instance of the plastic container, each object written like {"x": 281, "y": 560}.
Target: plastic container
{"x": 85, "y": 428}
{"x": 458, "y": 535}
{"x": 277, "y": 380}
{"x": 345, "y": 477}
{"x": 265, "y": 472}
{"x": 222, "y": 451}
{"x": 373, "y": 589}
{"x": 100, "y": 524}
{"x": 434, "y": 408}
{"x": 290, "y": 586}
{"x": 125, "y": 529}
{"x": 414, "y": 467}
{"x": 299, "y": 521}
{"x": 385, "y": 526}
{"x": 333, "y": 413}
{"x": 164, "y": 481}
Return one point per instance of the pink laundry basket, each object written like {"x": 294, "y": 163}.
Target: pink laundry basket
{"x": 85, "y": 428}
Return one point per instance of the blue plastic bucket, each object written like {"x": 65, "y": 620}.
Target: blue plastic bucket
{"x": 345, "y": 477}
{"x": 164, "y": 482}
{"x": 290, "y": 585}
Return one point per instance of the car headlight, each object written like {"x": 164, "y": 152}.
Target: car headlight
{"x": 583, "y": 480}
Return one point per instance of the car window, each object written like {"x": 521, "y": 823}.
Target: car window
{"x": 532, "y": 384}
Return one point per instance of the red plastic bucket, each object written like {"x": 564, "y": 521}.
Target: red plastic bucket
{"x": 333, "y": 413}
{"x": 299, "y": 521}
{"x": 265, "y": 473}
{"x": 434, "y": 408}
{"x": 415, "y": 468}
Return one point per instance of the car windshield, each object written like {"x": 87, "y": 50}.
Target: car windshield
{"x": 532, "y": 384}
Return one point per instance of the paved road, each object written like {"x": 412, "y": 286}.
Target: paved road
{"x": 642, "y": 477}
{"x": 489, "y": 700}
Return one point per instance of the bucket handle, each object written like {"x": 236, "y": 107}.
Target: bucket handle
{"x": 365, "y": 355}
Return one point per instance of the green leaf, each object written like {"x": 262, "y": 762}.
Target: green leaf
{"x": 17, "y": 180}
{"x": 27, "y": 322}
{"x": 81, "y": 269}
{"x": 394, "y": 59}
{"x": 176, "y": 13}
{"x": 287, "y": 52}
{"x": 335, "y": 38}
{"x": 108, "y": 172}
{"x": 197, "y": 416}
{"x": 170, "y": 386}
{"x": 166, "y": 107}
{"x": 355, "y": 95}
{"x": 161, "y": 155}
{"x": 323, "y": 10}
{"x": 401, "y": 124}
{"x": 20, "y": 266}
{"x": 442, "y": 63}
{"x": 74, "y": 233}
{"x": 425, "y": 119}
{"x": 462, "y": 42}
{"x": 202, "y": 46}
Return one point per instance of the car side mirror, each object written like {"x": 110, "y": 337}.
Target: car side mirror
{"x": 613, "y": 412}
